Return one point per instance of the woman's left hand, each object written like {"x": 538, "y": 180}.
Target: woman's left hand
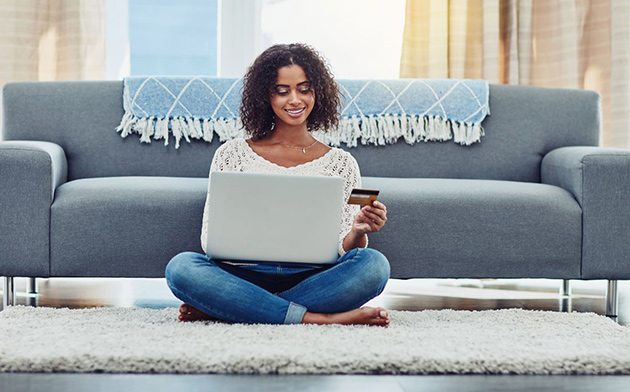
{"x": 371, "y": 218}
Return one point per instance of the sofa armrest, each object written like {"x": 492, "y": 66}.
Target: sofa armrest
{"x": 599, "y": 179}
{"x": 30, "y": 171}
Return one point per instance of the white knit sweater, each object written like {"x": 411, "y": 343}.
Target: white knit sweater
{"x": 237, "y": 156}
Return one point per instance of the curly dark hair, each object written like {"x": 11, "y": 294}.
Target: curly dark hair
{"x": 260, "y": 80}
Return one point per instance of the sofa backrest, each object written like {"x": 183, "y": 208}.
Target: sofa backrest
{"x": 525, "y": 123}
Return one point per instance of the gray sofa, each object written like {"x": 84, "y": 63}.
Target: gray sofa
{"x": 536, "y": 198}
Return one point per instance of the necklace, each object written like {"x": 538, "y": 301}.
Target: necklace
{"x": 303, "y": 148}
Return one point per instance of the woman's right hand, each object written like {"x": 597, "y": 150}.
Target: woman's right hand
{"x": 370, "y": 219}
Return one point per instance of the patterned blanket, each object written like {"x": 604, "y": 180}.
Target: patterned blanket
{"x": 373, "y": 111}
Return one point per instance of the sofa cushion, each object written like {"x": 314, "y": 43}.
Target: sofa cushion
{"x": 132, "y": 226}
{"x": 478, "y": 228}
{"x": 124, "y": 226}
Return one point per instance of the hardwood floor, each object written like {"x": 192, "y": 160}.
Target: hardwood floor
{"x": 20, "y": 382}
{"x": 412, "y": 295}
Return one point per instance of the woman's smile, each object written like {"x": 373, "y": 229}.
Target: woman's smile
{"x": 295, "y": 112}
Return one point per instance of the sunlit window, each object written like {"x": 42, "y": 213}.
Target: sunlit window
{"x": 360, "y": 38}
{"x": 173, "y": 37}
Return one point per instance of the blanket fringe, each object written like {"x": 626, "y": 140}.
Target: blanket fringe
{"x": 376, "y": 130}
{"x": 181, "y": 128}
{"x": 387, "y": 129}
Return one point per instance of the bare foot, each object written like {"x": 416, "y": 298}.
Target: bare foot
{"x": 189, "y": 313}
{"x": 363, "y": 316}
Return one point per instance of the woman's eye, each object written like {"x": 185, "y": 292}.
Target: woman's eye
{"x": 305, "y": 91}
{"x": 282, "y": 92}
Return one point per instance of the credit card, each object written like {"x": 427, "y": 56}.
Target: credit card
{"x": 363, "y": 197}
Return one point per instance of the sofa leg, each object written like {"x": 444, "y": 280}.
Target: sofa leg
{"x": 31, "y": 286}
{"x": 611, "y": 299}
{"x": 565, "y": 288}
{"x": 8, "y": 297}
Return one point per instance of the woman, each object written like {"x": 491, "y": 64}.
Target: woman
{"x": 287, "y": 92}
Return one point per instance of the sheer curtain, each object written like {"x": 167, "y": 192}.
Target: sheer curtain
{"x": 582, "y": 44}
{"x": 51, "y": 40}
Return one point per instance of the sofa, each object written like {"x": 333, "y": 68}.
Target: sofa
{"x": 535, "y": 198}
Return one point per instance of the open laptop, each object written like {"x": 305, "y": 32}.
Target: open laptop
{"x": 277, "y": 218}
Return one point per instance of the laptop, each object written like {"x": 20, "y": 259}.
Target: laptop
{"x": 256, "y": 217}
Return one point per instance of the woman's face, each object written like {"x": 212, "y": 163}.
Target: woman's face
{"x": 292, "y": 98}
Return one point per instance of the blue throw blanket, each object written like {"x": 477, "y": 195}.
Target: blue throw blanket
{"x": 373, "y": 111}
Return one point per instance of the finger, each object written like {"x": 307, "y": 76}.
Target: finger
{"x": 364, "y": 219}
{"x": 375, "y": 217}
{"x": 377, "y": 208}
{"x": 379, "y": 204}
{"x": 381, "y": 213}
{"x": 361, "y": 215}
{"x": 373, "y": 224}
{"x": 374, "y": 227}
{"x": 371, "y": 221}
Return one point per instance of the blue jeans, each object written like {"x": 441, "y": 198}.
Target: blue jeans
{"x": 276, "y": 293}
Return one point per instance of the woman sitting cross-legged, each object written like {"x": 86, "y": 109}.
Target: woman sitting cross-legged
{"x": 288, "y": 91}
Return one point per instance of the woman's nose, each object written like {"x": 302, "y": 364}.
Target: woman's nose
{"x": 293, "y": 97}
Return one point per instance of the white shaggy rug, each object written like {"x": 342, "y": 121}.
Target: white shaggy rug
{"x": 124, "y": 340}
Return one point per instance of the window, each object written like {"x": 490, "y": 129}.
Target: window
{"x": 360, "y": 38}
{"x": 173, "y": 37}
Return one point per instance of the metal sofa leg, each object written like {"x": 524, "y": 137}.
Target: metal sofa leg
{"x": 611, "y": 299}
{"x": 565, "y": 288}
{"x": 8, "y": 299}
{"x": 31, "y": 286}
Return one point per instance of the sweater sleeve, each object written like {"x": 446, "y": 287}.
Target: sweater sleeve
{"x": 350, "y": 171}
{"x": 223, "y": 160}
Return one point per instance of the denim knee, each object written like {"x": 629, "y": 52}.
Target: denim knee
{"x": 378, "y": 271}
{"x": 176, "y": 269}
